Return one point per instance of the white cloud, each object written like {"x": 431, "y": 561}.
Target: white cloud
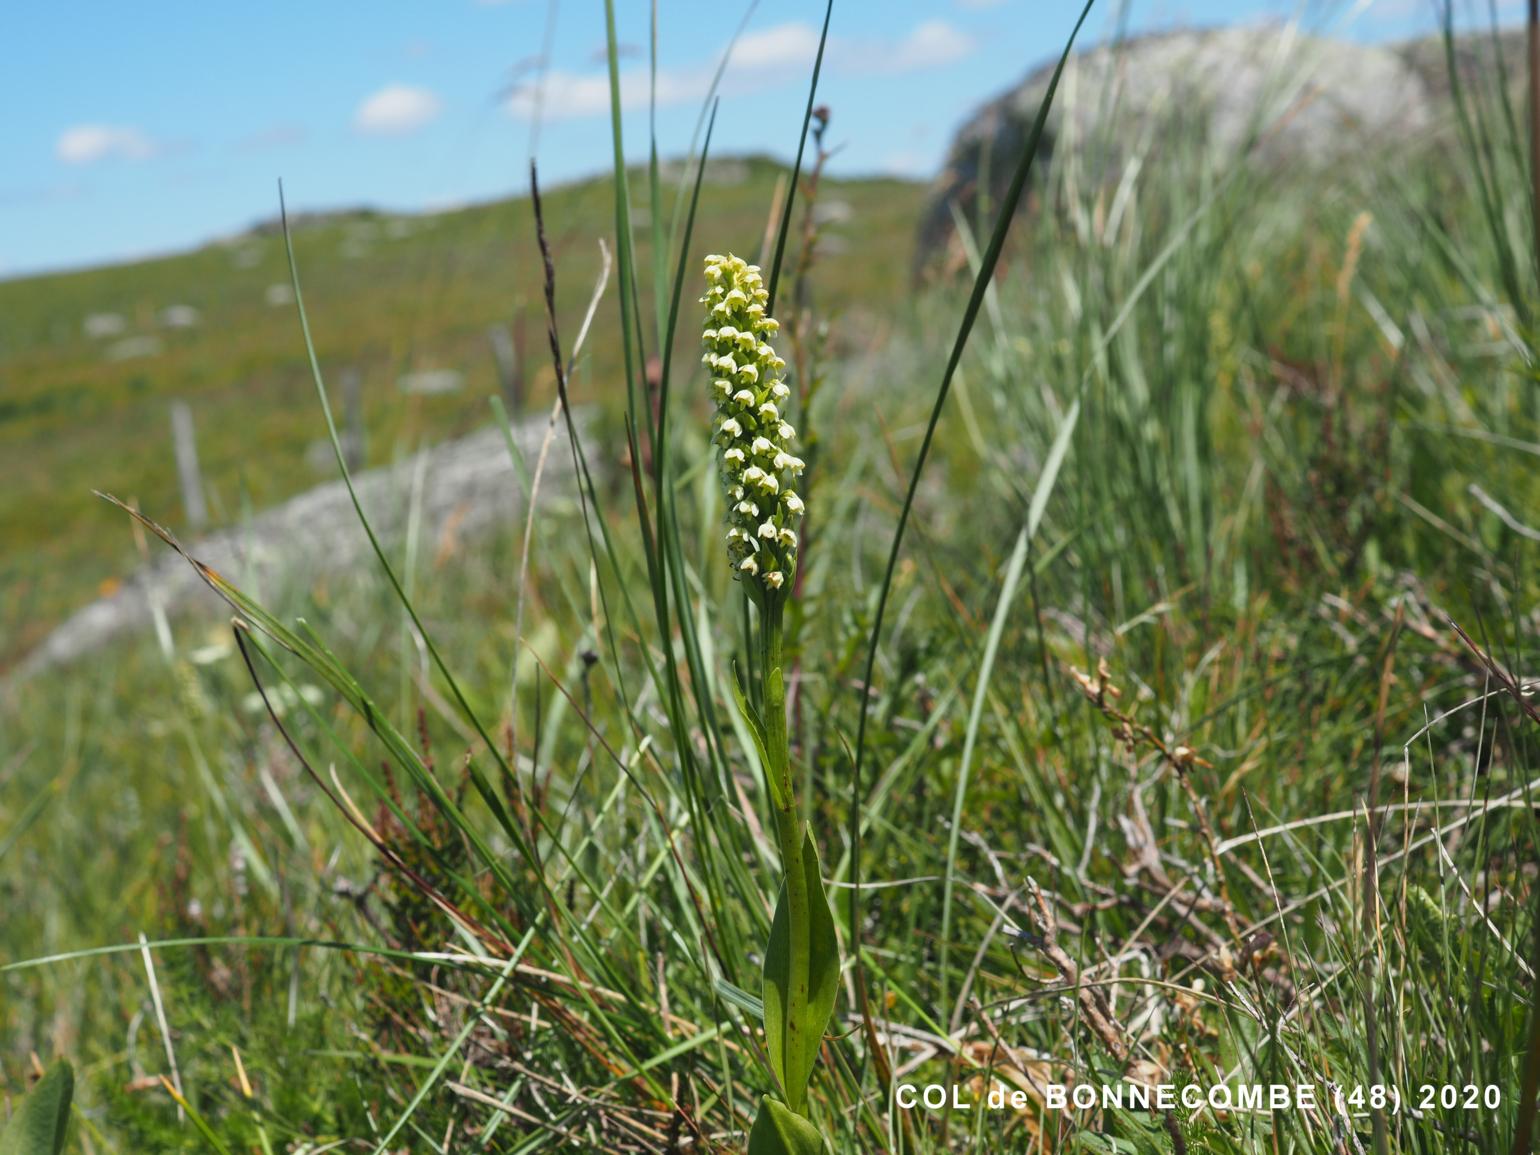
{"x": 760, "y": 60}
{"x": 564, "y": 95}
{"x": 932, "y": 44}
{"x": 89, "y": 143}
{"x": 784, "y": 46}
{"x": 396, "y": 109}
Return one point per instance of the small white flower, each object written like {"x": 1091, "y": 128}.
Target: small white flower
{"x": 756, "y": 445}
{"x": 708, "y": 359}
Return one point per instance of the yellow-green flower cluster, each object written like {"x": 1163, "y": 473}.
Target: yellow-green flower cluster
{"x": 754, "y": 440}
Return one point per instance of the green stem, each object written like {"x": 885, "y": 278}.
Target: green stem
{"x": 792, "y": 834}
{"x": 773, "y": 691}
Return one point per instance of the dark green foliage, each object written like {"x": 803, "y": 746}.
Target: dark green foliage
{"x": 40, "y": 1121}
{"x": 1227, "y": 636}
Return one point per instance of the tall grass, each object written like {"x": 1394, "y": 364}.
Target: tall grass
{"x": 1120, "y": 685}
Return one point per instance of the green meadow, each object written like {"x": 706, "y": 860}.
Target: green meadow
{"x": 1154, "y": 674}
{"x": 393, "y": 295}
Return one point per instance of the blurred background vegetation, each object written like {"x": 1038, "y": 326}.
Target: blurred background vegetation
{"x": 393, "y": 296}
{"x": 1232, "y": 444}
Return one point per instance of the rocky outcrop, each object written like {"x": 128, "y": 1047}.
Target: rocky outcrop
{"x": 1266, "y": 92}
{"x": 461, "y": 487}
{"x": 1480, "y": 60}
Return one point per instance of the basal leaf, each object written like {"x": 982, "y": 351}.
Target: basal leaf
{"x": 778, "y": 1130}
{"x": 38, "y": 1126}
{"x": 800, "y": 991}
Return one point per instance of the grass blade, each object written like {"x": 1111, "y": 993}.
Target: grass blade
{"x": 981, "y": 283}
{"x": 1013, "y": 573}
{"x": 796, "y": 169}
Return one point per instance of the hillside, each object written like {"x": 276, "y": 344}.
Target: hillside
{"x": 92, "y": 361}
{"x": 1109, "y": 671}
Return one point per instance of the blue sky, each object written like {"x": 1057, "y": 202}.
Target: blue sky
{"x": 141, "y": 128}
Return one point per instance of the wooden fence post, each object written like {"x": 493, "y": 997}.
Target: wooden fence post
{"x": 508, "y": 349}
{"x": 185, "y": 445}
{"x": 353, "y": 446}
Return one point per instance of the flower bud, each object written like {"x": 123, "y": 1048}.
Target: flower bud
{"x": 755, "y": 447}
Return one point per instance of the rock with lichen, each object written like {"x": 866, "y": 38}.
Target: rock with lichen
{"x": 1263, "y": 92}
